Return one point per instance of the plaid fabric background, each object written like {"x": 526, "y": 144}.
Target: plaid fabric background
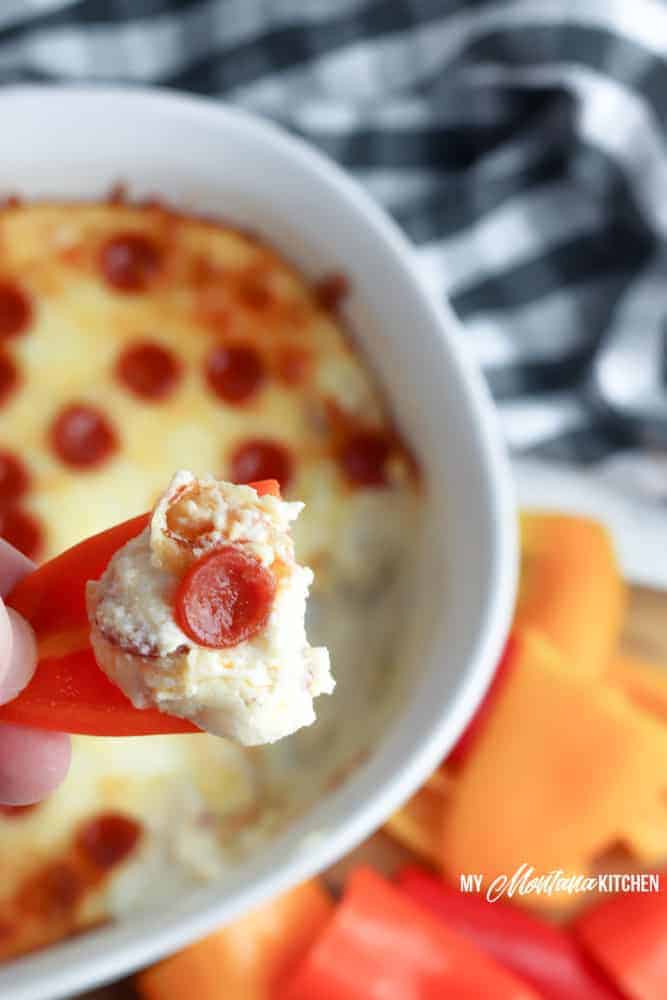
{"x": 521, "y": 145}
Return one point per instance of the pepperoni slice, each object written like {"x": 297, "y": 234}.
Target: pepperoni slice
{"x": 364, "y": 456}
{"x": 22, "y": 531}
{"x": 148, "y": 370}
{"x": 224, "y": 598}
{"x": 234, "y": 374}
{"x": 14, "y": 478}
{"x": 130, "y": 261}
{"x": 9, "y": 378}
{"x": 107, "y": 840}
{"x": 331, "y": 290}
{"x": 15, "y": 310}
{"x": 261, "y": 458}
{"x": 82, "y": 437}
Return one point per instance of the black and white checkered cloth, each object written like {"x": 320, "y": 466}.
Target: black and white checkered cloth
{"x": 521, "y": 145}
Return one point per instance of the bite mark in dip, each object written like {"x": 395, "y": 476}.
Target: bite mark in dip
{"x": 202, "y": 615}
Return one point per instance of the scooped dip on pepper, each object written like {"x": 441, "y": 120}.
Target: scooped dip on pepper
{"x": 202, "y": 614}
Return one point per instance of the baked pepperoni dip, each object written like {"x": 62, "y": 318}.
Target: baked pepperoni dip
{"x": 202, "y": 615}
{"x": 136, "y": 340}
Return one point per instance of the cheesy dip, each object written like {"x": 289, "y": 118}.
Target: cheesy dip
{"x": 136, "y": 340}
{"x": 202, "y": 615}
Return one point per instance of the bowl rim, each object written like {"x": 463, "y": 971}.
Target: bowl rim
{"x": 100, "y": 955}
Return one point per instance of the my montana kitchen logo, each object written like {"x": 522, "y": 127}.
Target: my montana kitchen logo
{"x": 524, "y": 882}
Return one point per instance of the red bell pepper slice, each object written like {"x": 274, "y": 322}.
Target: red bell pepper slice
{"x": 544, "y": 955}
{"x": 459, "y": 752}
{"x": 627, "y": 936}
{"x": 68, "y": 692}
{"x": 379, "y": 945}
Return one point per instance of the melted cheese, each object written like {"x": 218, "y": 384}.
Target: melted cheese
{"x": 81, "y": 325}
{"x": 201, "y": 802}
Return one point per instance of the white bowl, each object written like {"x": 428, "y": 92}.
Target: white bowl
{"x": 75, "y": 143}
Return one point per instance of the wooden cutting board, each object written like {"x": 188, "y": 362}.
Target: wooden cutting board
{"x": 645, "y": 635}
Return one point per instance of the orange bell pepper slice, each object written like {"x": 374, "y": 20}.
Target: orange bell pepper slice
{"x": 644, "y": 685}
{"x": 571, "y": 591}
{"x": 248, "y": 959}
{"x": 571, "y": 588}
{"x": 564, "y": 765}
{"x": 68, "y": 692}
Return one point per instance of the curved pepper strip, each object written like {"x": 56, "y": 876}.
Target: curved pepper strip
{"x": 544, "y": 955}
{"x": 379, "y": 945}
{"x": 68, "y": 692}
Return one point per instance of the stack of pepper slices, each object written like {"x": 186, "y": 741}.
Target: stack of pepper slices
{"x": 565, "y": 760}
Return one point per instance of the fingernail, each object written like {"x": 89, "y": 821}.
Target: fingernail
{"x": 22, "y": 657}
